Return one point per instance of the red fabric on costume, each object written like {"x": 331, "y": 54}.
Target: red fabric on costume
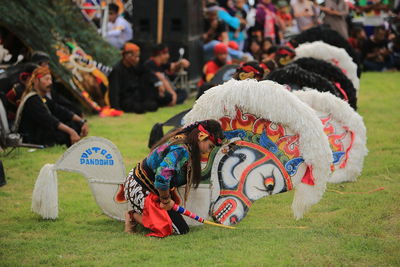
{"x": 308, "y": 177}
{"x": 155, "y": 218}
{"x": 338, "y": 86}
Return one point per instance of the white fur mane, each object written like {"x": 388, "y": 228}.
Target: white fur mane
{"x": 326, "y": 52}
{"x": 342, "y": 112}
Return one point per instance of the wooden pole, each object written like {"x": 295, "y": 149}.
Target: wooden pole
{"x": 160, "y": 19}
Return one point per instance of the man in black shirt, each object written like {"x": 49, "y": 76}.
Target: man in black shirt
{"x": 376, "y": 53}
{"x": 160, "y": 66}
{"x": 40, "y": 120}
{"x": 131, "y": 87}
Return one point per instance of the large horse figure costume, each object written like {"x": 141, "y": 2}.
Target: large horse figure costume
{"x": 277, "y": 141}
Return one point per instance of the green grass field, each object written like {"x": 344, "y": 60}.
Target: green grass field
{"x": 342, "y": 230}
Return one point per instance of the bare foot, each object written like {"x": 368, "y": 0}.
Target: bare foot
{"x": 129, "y": 223}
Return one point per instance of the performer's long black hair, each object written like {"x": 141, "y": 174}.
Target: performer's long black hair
{"x": 190, "y": 135}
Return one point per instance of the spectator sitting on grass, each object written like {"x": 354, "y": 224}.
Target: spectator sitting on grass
{"x": 213, "y": 66}
{"x": 159, "y": 64}
{"x": 254, "y": 49}
{"x": 131, "y": 87}
{"x": 40, "y": 120}
{"x": 305, "y": 14}
{"x": 357, "y": 39}
{"x": 376, "y": 53}
{"x": 216, "y": 31}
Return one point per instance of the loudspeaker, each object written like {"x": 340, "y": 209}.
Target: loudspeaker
{"x": 182, "y": 27}
{"x": 145, "y": 21}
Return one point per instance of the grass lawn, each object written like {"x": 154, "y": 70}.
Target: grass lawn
{"x": 342, "y": 230}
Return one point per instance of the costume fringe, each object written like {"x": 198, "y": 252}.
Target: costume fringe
{"x": 45, "y": 193}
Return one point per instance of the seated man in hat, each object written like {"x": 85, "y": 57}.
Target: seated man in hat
{"x": 13, "y": 96}
{"x": 42, "y": 121}
{"x": 42, "y": 59}
{"x": 131, "y": 87}
{"x": 159, "y": 64}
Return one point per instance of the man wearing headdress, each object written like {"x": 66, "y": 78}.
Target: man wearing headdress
{"x": 40, "y": 120}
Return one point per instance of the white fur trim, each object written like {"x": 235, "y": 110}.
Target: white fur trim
{"x": 326, "y": 52}
{"x": 45, "y": 193}
{"x": 272, "y": 101}
{"x": 345, "y": 115}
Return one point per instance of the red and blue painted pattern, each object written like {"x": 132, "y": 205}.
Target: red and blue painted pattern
{"x": 185, "y": 212}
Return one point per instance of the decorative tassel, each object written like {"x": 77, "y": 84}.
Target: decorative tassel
{"x": 45, "y": 193}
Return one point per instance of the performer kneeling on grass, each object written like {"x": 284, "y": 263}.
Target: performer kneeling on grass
{"x": 174, "y": 161}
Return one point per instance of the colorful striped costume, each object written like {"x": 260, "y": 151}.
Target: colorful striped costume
{"x": 166, "y": 167}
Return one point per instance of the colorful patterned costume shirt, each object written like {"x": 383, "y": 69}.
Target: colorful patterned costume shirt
{"x": 170, "y": 165}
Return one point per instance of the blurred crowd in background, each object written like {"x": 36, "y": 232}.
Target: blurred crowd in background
{"x": 235, "y": 32}
{"x": 252, "y": 29}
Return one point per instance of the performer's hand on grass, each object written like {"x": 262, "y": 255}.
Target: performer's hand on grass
{"x": 84, "y": 129}
{"x": 173, "y": 102}
{"x": 167, "y": 206}
{"x": 74, "y": 137}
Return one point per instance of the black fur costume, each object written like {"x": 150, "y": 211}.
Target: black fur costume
{"x": 330, "y": 72}
{"x": 297, "y": 78}
{"x": 329, "y": 36}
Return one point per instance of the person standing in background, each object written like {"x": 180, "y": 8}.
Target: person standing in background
{"x": 335, "y": 16}
{"x": 162, "y": 68}
{"x": 304, "y": 13}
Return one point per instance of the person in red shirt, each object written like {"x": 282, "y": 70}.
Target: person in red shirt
{"x": 283, "y": 13}
{"x": 220, "y": 60}
{"x": 212, "y": 67}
